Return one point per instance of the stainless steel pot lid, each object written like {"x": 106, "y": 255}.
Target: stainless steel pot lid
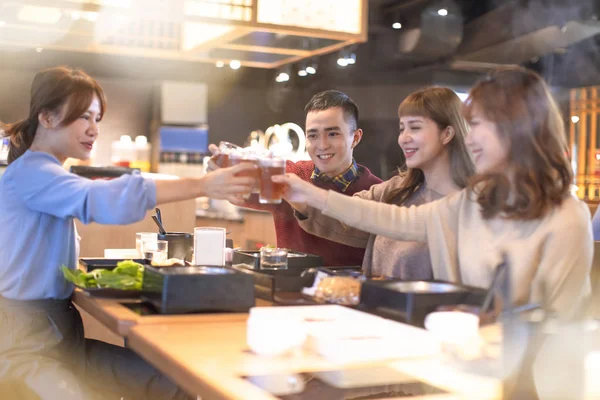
{"x": 195, "y": 271}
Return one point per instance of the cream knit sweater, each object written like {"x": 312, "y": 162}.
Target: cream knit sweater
{"x": 551, "y": 254}
{"x": 383, "y": 256}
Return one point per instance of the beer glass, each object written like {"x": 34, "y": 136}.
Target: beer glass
{"x": 222, "y": 159}
{"x": 271, "y": 192}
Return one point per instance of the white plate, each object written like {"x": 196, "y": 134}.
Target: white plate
{"x": 343, "y": 335}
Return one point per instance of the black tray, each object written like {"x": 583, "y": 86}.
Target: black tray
{"x": 411, "y": 301}
{"x": 181, "y": 290}
{"x": 112, "y": 293}
{"x": 91, "y": 264}
{"x": 268, "y": 282}
{"x": 295, "y": 259}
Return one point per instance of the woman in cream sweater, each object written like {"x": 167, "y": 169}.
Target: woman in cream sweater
{"x": 518, "y": 203}
{"x": 432, "y": 138}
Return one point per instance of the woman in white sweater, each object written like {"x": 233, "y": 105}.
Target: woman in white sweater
{"x": 518, "y": 203}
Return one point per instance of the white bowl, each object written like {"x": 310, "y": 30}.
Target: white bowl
{"x": 267, "y": 336}
{"x": 452, "y": 326}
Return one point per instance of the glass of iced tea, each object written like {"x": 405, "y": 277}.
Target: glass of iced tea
{"x": 252, "y": 156}
{"x": 246, "y": 156}
{"x": 271, "y": 192}
{"x": 222, "y": 159}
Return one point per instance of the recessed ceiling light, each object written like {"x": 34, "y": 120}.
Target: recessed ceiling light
{"x": 311, "y": 70}
{"x": 282, "y": 77}
{"x": 235, "y": 64}
{"x": 219, "y": 64}
{"x": 574, "y": 119}
{"x": 397, "y": 25}
{"x": 342, "y": 62}
{"x": 443, "y": 12}
{"x": 302, "y": 72}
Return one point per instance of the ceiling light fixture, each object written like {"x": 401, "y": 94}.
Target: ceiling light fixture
{"x": 397, "y": 25}
{"x": 351, "y": 59}
{"x": 347, "y": 56}
{"x": 574, "y": 119}
{"x": 284, "y": 74}
{"x": 302, "y": 69}
{"x": 342, "y": 60}
{"x": 443, "y": 12}
{"x": 312, "y": 66}
{"x": 235, "y": 64}
{"x": 219, "y": 64}
{"x": 282, "y": 77}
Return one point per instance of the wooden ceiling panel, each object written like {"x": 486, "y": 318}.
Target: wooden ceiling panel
{"x": 201, "y": 30}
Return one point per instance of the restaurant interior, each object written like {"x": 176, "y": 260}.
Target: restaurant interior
{"x": 180, "y": 75}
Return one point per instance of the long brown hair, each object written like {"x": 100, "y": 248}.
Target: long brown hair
{"x": 518, "y": 101}
{"x": 442, "y": 106}
{"x": 51, "y": 90}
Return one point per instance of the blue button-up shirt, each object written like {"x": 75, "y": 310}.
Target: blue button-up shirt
{"x": 39, "y": 201}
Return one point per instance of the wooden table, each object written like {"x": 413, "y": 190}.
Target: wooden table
{"x": 120, "y": 319}
{"x": 207, "y": 354}
{"x": 210, "y": 359}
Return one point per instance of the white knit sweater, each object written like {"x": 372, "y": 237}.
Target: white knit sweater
{"x": 551, "y": 254}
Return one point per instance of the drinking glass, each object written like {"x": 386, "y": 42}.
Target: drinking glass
{"x": 222, "y": 159}
{"x": 246, "y": 155}
{"x": 253, "y": 155}
{"x": 271, "y": 192}
{"x": 273, "y": 258}
{"x": 140, "y": 237}
{"x": 155, "y": 251}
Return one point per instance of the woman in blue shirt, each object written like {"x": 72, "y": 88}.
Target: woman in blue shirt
{"x": 40, "y": 330}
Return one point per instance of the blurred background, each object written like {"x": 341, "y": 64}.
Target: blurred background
{"x": 180, "y": 74}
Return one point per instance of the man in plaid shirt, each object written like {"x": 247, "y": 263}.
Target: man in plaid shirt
{"x": 331, "y": 134}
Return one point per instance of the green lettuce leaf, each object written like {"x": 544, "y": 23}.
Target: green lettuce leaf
{"x": 127, "y": 275}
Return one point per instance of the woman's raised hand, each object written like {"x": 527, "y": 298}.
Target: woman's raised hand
{"x": 299, "y": 191}
{"x": 223, "y": 183}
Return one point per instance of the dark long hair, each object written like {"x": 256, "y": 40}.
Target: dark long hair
{"x": 518, "y": 101}
{"x": 442, "y": 106}
{"x": 51, "y": 90}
